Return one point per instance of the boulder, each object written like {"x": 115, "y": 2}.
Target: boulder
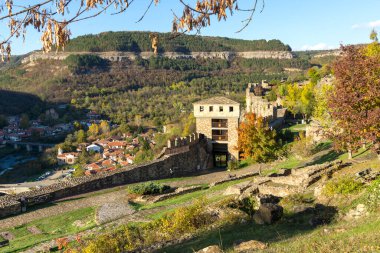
{"x": 267, "y": 198}
{"x": 249, "y": 246}
{"x": 356, "y": 213}
{"x": 211, "y": 249}
{"x": 236, "y": 189}
{"x": 268, "y": 213}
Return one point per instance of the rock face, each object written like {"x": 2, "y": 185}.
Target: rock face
{"x": 123, "y": 56}
{"x": 211, "y": 249}
{"x": 358, "y": 212}
{"x": 249, "y": 246}
{"x": 268, "y": 213}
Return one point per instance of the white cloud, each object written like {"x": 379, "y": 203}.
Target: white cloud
{"x": 372, "y": 24}
{"x": 319, "y": 46}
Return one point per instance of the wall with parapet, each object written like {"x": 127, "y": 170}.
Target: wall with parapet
{"x": 189, "y": 159}
{"x": 123, "y": 56}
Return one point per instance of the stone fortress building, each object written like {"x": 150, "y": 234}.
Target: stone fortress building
{"x": 256, "y": 103}
{"x": 217, "y": 118}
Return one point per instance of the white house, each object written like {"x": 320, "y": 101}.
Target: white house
{"x": 94, "y": 148}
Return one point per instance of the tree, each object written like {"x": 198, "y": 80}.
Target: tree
{"x": 53, "y": 17}
{"x": 188, "y": 125}
{"x": 355, "y": 102}
{"x": 307, "y": 100}
{"x": 93, "y": 130}
{"x": 256, "y": 140}
{"x": 314, "y": 75}
{"x": 81, "y": 136}
{"x": 104, "y": 127}
{"x": 24, "y": 121}
{"x": 144, "y": 156}
{"x": 291, "y": 101}
{"x": 321, "y": 109}
{"x": 373, "y": 36}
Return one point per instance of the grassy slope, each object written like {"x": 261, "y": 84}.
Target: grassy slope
{"x": 294, "y": 233}
{"x": 51, "y": 228}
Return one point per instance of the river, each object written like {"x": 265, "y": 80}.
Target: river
{"x": 8, "y": 161}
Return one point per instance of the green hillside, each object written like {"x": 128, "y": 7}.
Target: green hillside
{"x": 140, "y": 41}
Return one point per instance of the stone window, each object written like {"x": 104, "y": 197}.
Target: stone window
{"x": 201, "y": 108}
{"x": 219, "y": 135}
{"x": 211, "y": 108}
{"x": 219, "y": 123}
{"x": 220, "y": 108}
{"x": 231, "y": 108}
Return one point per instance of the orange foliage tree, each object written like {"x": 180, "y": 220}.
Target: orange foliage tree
{"x": 256, "y": 139}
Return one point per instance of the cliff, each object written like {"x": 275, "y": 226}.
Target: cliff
{"x": 122, "y": 56}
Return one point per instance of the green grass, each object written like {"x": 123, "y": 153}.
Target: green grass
{"x": 290, "y": 163}
{"x": 51, "y": 228}
{"x": 297, "y": 128}
{"x": 297, "y": 237}
{"x": 191, "y": 196}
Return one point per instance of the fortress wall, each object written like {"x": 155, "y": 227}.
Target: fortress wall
{"x": 173, "y": 165}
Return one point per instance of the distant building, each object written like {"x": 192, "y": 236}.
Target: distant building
{"x": 273, "y": 112}
{"x": 67, "y": 158}
{"x": 256, "y": 103}
{"x": 218, "y": 119}
{"x": 94, "y": 148}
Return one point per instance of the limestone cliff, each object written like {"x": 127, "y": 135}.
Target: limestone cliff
{"x": 122, "y": 56}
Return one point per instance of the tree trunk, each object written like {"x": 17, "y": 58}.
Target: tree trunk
{"x": 350, "y": 154}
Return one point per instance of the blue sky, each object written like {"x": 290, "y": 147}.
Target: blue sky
{"x": 302, "y": 24}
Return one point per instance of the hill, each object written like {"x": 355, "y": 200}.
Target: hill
{"x": 140, "y": 42}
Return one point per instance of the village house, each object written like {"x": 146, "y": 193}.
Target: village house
{"x": 94, "y": 148}
{"x": 67, "y": 158}
{"x": 117, "y": 144}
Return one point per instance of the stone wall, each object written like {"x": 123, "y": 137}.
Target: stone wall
{"x": 172, "y": 165}
{"x": 123, "y": 56}
{"x": 259, "y": 105}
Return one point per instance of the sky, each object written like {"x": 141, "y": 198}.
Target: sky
{"x": 302, "y": 24}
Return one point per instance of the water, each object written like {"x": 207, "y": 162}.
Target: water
{"x": 8, "y": 161}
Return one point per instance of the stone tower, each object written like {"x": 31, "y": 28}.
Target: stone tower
{"x": 218, "y": 119}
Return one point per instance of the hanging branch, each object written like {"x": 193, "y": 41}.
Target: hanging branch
{"x": 52, "y": 17}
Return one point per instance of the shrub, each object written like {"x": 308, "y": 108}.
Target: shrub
{"x": 148, "y": 188}
{"x": 372, "y": 196}
{"x": 303, "y": 147}
{"x": 342, "y": 186}
{"x": 233, "y": 164}
{"x": 182, "y": 221}
{"x": 247, "y": 205}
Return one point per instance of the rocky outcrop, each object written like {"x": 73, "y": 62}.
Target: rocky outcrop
{"x": 211, "y": 249}
{"x": 328, "y": 53}
{"x": 249, "y": 246}
{"x": 117, "y": 56}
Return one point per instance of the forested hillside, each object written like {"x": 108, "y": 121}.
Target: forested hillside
{"x": 140, "y": 42}
{"x": 160, "y": 90}
{"x": 157, "y": 90}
